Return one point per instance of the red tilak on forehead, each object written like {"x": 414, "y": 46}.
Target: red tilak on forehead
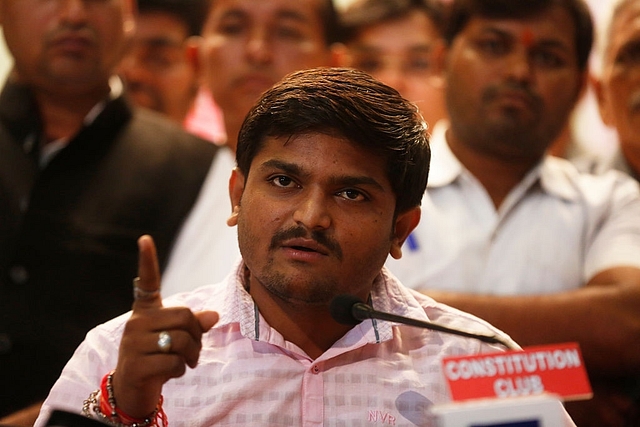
{"x": 527, "y": 37}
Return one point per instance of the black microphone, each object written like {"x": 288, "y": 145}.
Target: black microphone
{"x": 350, "y": 310}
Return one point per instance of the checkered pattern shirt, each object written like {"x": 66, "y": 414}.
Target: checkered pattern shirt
{"x": 379, "y": 373}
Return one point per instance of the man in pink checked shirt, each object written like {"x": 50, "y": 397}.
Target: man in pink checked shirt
{"x": 332, "y": 165}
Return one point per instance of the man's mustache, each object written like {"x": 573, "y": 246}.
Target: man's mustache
{"x": 495, "y": 91}
{"x": 65, "y": 30}
{"x": 300, "y": 232}
{"x": 634, "y": 101}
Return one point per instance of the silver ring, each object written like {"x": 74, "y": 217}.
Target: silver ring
{"x": 141, "y": 294}
{"x": 164, "y": 342}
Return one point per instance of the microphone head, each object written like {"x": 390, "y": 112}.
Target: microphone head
{"x": 341, "y": 309}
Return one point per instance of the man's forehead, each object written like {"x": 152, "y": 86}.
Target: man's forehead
{"x": 626, "y": 24}
{"x": 293, "y": 9}
{"x": 301, "y": 147}
{"x": 627, "y": 13}
{"x": 147, "y": 25}
{"x": 532, "y": 30}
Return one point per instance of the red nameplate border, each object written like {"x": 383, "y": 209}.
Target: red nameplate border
{"x": 556, "y": 369}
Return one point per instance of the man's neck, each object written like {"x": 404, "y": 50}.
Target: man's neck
{"x": 496, "y": 175}
{"x": 309, "y": 327}
{"x": 63, "y": 116}
{"x": 632, "y": 156}
{"x": 232, "y": 128}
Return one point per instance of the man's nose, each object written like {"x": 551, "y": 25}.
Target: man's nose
{"x": 392, "y": 75}
{"x": 313, "y": 211}
{"x": 133, "y": 68}
{"x": 73, "y": 11}
{"x": 519, "y": 66}
{"x": 259, "y": 49}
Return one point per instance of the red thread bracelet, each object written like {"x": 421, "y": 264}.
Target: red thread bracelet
{"x": 110, "y": 410}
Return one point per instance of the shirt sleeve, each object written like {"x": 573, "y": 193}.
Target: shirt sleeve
{"x": 615, "y": 232}
{"x": 96, "y": 356}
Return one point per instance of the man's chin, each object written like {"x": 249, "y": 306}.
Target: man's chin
{"x": 300, "y": 291}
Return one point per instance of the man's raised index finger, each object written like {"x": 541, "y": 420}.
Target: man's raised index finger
{"x": 146, "y": 287}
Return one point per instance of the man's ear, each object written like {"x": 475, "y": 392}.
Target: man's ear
{"x": 440, "y": 59}
{"x": 405, "y": 224}
{"x": 129, "y": 15}
{"x": 437, "y": 58}
{"x": 340, "y": 55}
{"x": 603, "y": 104}
{"x": 192, "y": 51}
{"x": 236, "y": 188}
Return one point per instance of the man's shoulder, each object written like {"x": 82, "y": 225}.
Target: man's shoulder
{"x": 450, "y": 317}
{"x": 162, "y": 144}
{"x": 165, "y": 131}
{"x": 420, "y": 306}
{"x": 562, "y": 178}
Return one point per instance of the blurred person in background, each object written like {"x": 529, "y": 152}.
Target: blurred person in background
{"x": 82, "y": 175}
{"x": 247, "y": 47}
{"x": 397, "y": 42}
{"x": 160, "y": 68}
{"x": 332, "y": 166}
{"x": 512, "y": 234}
{"x": 617, "y": 85}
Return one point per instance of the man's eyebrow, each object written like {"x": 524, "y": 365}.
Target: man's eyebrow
{"x": 233, "y": 14}
{"x": 356, "y": 181}
{"x": 555, "y": 44}
{"x": 360, "y": 47}
{"x": 425, "y": 47}
{"x": 339, "y": 180}
{"x": 493, "y": 29}
{"x": 631, "y": 46}
{"x": 159, "y": 42}
{"x": 547, "y": 42}
{"x": 292, "y": 15}
{"x": 363, "y": 47}
{"x": 287, "y": 167}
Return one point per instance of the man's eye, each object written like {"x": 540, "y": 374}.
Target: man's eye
{"x": 368, "y": 64}
{"x": 352, "y": 195}
{"x": 289, "y": 32}
{"x": 282, "y": 181}
{"x": 493, "y": 46}
{"x": 630, "y": 55}
{"x": 159, "y": 60}
{"x": 546, "y": 59}
{"x": 230, "y": 27}
{"x": 418, "y": 64}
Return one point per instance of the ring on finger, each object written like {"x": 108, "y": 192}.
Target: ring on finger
{"x": 164, "y": 342}
{"x": 141, "y": 294}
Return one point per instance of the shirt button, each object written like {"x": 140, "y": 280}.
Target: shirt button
{"x": 28, "y": 145}
{"x": 19, "y": 274}
{"x": 24, "y": 204}
{"x": 315, "y": 369}
{"x": 5, "y": 343}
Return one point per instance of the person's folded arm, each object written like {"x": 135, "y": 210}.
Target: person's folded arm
{"x": 603, "y": 316}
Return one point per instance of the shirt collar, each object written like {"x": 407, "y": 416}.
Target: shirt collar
{"x": 556, "y": 176}
{"x": 445, "y": 168}
{"x": 238, "y": 304}
{"x": 387, "y": 295}
{"x": 116, "y": 88}
{"x": 48, "y": 151}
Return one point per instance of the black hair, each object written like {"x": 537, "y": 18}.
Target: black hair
{"x": 362, "y": 14}
{"x": 461, "y": 11}
{"x": 353, "y": 105}
{"x": 192, "y": 12}
{"x": 333, "y": 30}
